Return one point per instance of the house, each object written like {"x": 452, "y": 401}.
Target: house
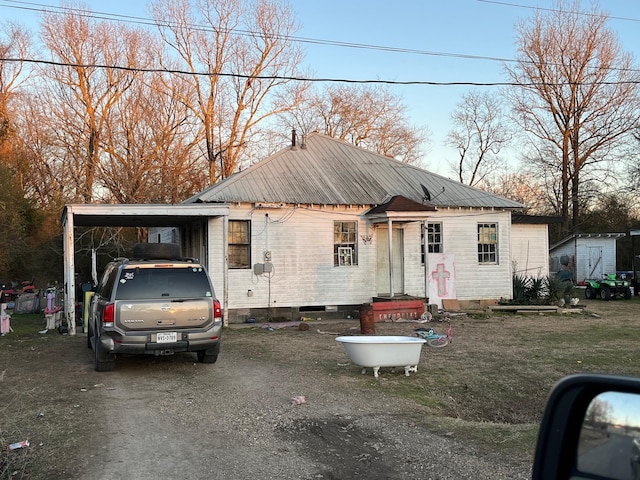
{"x": 587, "y": 255}
{"x": 322, "y": 227}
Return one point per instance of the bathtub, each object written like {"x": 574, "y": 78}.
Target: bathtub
{"x": 373, "y": 351}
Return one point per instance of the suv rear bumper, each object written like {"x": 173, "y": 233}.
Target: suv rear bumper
{"x": 145, "y": 342}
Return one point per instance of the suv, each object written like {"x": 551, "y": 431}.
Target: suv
{"x": 154, "y": 303}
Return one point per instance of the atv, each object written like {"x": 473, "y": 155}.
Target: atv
{"x": 610, "y": 286}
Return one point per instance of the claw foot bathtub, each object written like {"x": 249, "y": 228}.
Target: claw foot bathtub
{"x": 373, "y": 351}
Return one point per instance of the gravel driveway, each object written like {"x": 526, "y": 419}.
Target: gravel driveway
{"x": 171, "y": 417}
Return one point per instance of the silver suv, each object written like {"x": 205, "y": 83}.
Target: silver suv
{"x": 154, "y": 303}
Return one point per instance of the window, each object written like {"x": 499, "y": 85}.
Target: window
{"x": 434, "y": 239}
{"x": 345, "y": 243}
{"x": 150, "y": 283}
{"x": 487, "y": 243}
{"x": 239, "y": 244}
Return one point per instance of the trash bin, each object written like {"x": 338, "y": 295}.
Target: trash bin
{"x": 367, "y": 320}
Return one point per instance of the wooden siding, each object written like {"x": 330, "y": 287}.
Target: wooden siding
{"x": 530, "y": 249}
{"x": 301, "y": 242}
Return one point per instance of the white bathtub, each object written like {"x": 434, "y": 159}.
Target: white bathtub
{"x": 376, "y": 351}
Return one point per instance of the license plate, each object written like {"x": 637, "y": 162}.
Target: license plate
{"x": 167, "y": 337}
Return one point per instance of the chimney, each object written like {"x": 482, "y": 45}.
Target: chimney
{"x": 303, "y": 142}
{"x": 293, "y": 139}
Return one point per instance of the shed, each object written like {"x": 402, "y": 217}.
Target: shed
{"x": 588, "y": 255}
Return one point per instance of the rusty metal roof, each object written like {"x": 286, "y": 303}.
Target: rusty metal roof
{"x": 326, "y": 171}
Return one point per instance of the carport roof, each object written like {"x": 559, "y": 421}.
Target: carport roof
{"x": 141, "y": 215}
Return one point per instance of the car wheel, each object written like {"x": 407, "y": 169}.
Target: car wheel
{"x": 627, "y": 293}
{"x": 204, "y": 358}
{"x": 589, "y": 293}
{"x": 605, "y": 293}
{"x": 89, "y": 335}
{"x": 103, "y": 361}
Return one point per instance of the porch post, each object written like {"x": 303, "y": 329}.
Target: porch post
{"x": 390, "y": 235}
{"x": 425, "y": 236}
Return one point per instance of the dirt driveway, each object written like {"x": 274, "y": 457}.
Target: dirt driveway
{"x": 173, "y": 418}
{"x": 458, "y": 417}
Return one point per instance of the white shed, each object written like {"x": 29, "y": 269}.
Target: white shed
{"x": 588, "y": 255}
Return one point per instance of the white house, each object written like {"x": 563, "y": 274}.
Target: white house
{"x": 588, "y": 255}
{"x": 324, "y": 226}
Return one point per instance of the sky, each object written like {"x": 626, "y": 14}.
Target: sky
{"x": 440, "y": 34}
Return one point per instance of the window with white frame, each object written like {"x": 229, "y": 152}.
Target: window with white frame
{"x": 345, "y": 244}
{"x": 487, "y": 243}
{"x": 433, "y": 234}
{"x": 239, "y": 244}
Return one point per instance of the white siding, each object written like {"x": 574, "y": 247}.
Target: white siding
{"x": 301, "y": 244}
{"x": 163, "y": 235}
{"x": 473, "y": 280}
{"x": 530, "y": 249}
{"x": 586, "y": 268}
{"x": 579, "y": 248}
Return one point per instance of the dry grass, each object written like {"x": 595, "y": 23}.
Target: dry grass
{"x": 488, "y": 387}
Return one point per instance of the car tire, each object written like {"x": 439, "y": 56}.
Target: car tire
{"x": 203, "y": 357}
{"x": 89, "y": 335}
{"x": 103, "y": 361}
{"x": 157, "y": 251}
{"x": 605, "y": 293}
{"x": 627, "y": 293}
{"x": 589, "y": 293}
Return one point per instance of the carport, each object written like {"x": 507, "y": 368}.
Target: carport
{"x": 179, "y": 216}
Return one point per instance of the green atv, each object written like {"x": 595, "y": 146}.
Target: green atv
{"x": 609, "y": 287}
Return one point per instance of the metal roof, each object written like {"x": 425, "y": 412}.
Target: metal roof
{"x": 326, "y": 171}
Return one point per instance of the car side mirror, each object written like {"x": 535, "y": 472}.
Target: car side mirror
{"x": 590, "y": 430}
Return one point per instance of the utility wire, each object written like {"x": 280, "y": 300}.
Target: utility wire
{"x": 311, "y": 79}
{"x": 531, "y": 7}
{"x": 43, "y": 8}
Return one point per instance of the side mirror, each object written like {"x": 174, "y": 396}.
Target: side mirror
{"x": 590, "y": 430}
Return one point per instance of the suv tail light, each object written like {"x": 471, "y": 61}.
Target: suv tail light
{"x": 108, "y": 315}
{"x": 217, "y": 311}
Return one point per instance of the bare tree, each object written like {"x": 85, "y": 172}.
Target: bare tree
{"x": 236, "y": 53}
{"x": 479, "y": 134}
{"x": 577, "y": 91}
{"x": 150, "y": 144}
{"x": 48, "y": 181}
{"x": 14, "y": 46}
{"x": 527, "y": 188}
{"x": 96, "y": 63}
{"x": 371, "y": 117}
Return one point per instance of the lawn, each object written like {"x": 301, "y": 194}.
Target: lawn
{"x": 488, "y": 387}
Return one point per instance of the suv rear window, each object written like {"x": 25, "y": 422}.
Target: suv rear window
{"x": 148, "y": 283}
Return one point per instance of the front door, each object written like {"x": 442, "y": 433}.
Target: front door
{"x": 382, "y": 253}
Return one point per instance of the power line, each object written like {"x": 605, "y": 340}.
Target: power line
{"x": 309, "y": 79}
{"x": 43, "y": 8}
{"x": 530, "y": 7}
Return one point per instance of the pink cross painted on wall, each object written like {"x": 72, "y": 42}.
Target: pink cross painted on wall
{"x": 441, "y": 275}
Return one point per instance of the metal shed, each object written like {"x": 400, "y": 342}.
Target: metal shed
{"x": 180, "y": 216}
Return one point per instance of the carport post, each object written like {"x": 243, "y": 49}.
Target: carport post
{"x": 69, "y": 271}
